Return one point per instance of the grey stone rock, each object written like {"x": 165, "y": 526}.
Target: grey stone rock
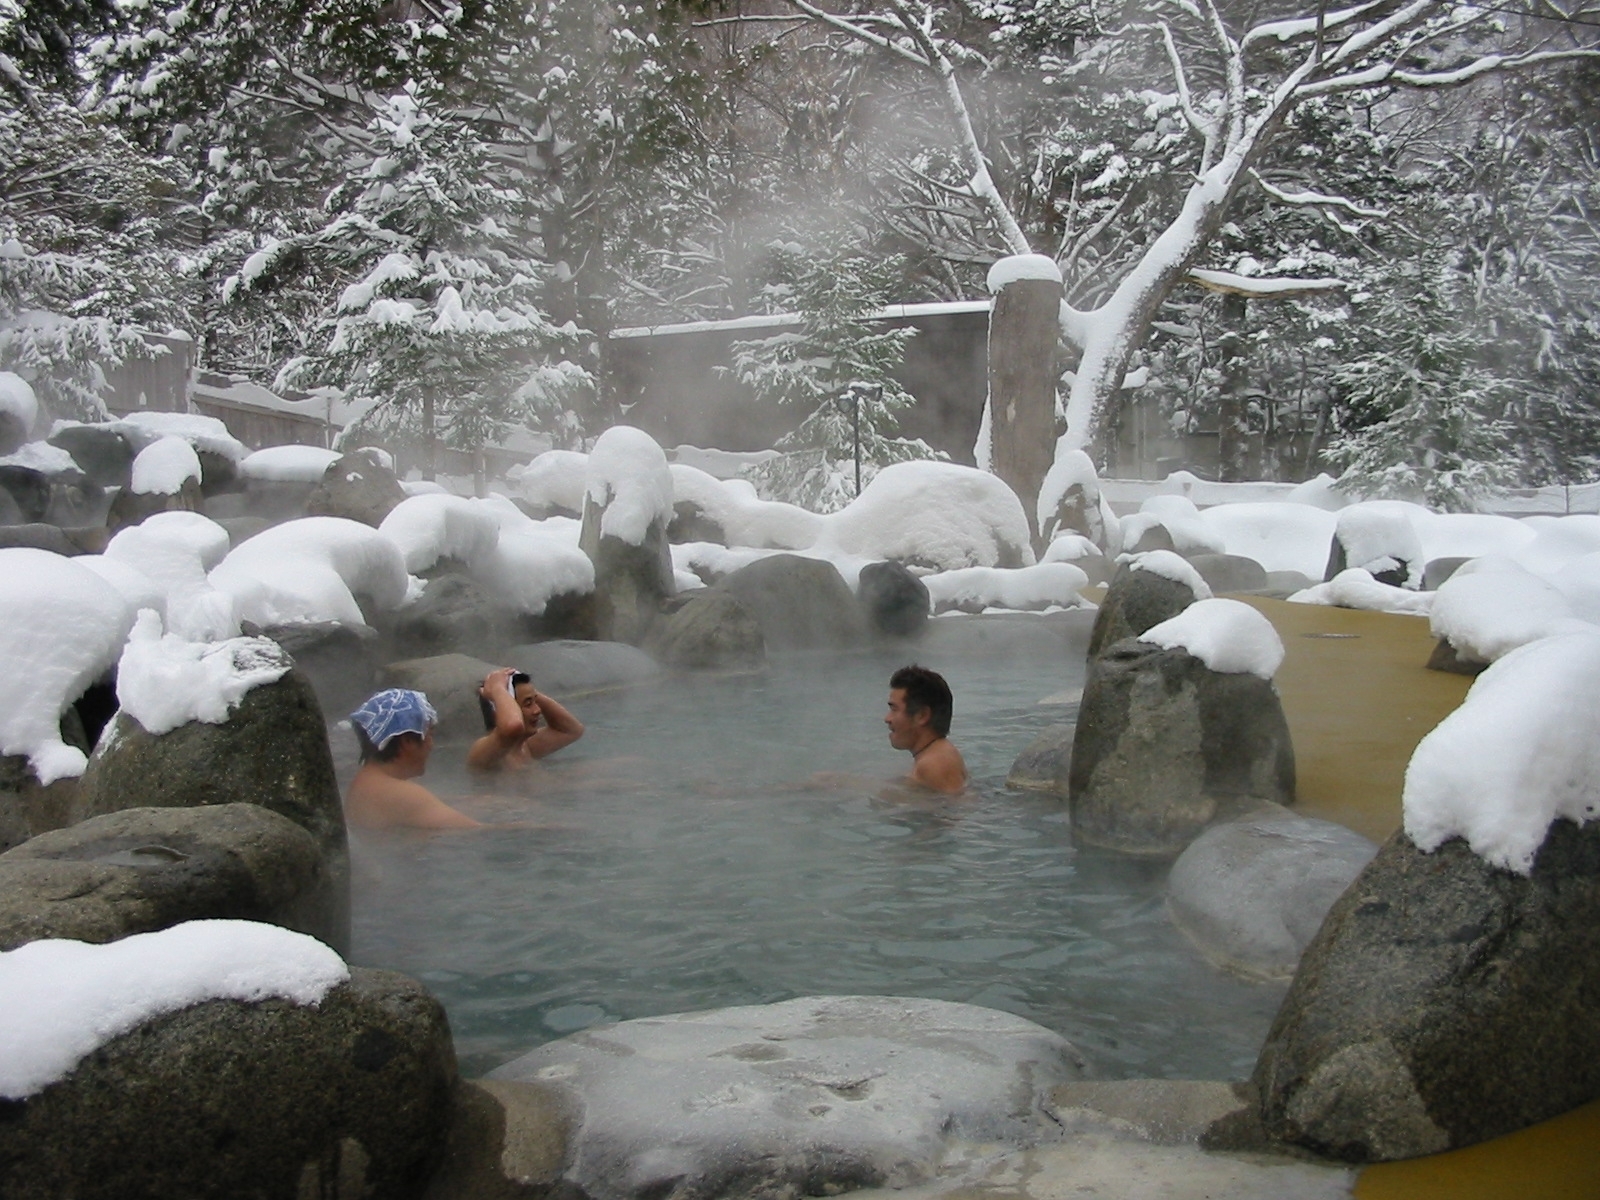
{"x": 1440, "y": 569}
{"x": 1446, "y": 657}
{"x": 1252, "y": 893}
{"x": 1045, "y": 763}
{"x": 1012, "y": 637}
{"x": 1225, "y": 573}
{"x": 1287, "y": 583}
{"x": 269, "y": 1100}
{"x": 630, "y": 582}
{"x": 568, "y": 665}
{"x": 1165, "y": 746}
{"x": 691, "y": 524}
{"x": 277, "y": 499}
{"x": 271, "y": 751}
{"x": 226, "y": 506}
{"x": 340, "y": 661}
{"x": 241, "y": 528}
{"x": 506, "y": 1141}
{"x": 130, "y": 508}
{"x": 567, "y": 615}
{"x": 454, "y": 614}
{"x": 451, "y": 683}
{"x": 1156, "y": 536}
{"x": 145, "y": 869}
{"x": 800, "y": 603}
{"x": 807, "y": 1097}
{"x": 1098, "y": 568}
{"x": 895, "y": 601}
{"x": 218, "y": 472}
{"x": 1136, "y": 601}
{"x": 1444, "y": 1002}
{"x": 1163, "y": 1112}
{"x": 1338, "y": 560}
{"x": 29, "y": 491}
{"x": 39, "y": 536}
{"x": 356, "y": 487}
{"x": 104, "y": 453}
{"x": 708, "y": 630}
{"x": 28, "y": 808}
{"x": 1078, "y": 511}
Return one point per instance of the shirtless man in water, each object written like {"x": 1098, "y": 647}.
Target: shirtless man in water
{"x": 395, "y": 729}
{"x": 920, "y": 705}
{"x": 524, "y": 724}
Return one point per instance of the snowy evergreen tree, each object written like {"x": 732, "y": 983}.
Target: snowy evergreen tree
{"x": 836, "y": 370}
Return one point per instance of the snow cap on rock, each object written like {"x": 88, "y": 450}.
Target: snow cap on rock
{"x": 164, "y": 466}
{"x": 289, "y": 464}
{"x": 165, "y": 680}
{"x": 1227, "y": 635}
{"x": 1174, "y": 567}
{"x": 627, "y": 476}
{"x": 428, "y": 528}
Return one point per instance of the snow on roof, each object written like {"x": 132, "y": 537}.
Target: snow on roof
{"x": 42, "y": 457}
{"x": 1256, "y": 285}
{"x": 1280, "y": 535}
{"x": 1355, "y": 587}
{"x": 174, "y": 551}
{"x": 164, "y": 466}
{"x": 1381, "y": 535}
{"x": 1171, "y": 566}
{"x": 289, "y": 464}
{"x": 166, "y": 680}
{"x": 62, "y": 1000}
{"x": 1227, "y": 635}
{"x": 722, "y": 464}
{"x": 430, "y": 527}
{"x": 1045, "y": 585}
{"x": 203, "y": 433}
{"x": 307, "y": 570}
{"x": 1492, "y": 605}
{"x": 890, "y": 312}
{"x": 938, "y": 514}
{"x": 1013, "y": 267}
{"x": 745, "y": 519}
{"x": 627, "y": 476}
{"x": 556, "y": 477}
{"x": 1520, "y": 752}
{"x": 61, "y": 627}
{"x": 17, "y": 399}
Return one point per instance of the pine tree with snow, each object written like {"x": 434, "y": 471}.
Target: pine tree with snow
{"x": 837, "y": 369}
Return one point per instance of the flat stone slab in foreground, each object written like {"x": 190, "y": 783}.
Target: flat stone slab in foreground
{"x": 807, "y": 1097}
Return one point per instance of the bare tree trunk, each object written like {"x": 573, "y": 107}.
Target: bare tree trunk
{"x": 1024, "y": 325}
{"x": 1233, "y": 410}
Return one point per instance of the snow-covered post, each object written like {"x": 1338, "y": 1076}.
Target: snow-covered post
{"x": 1019, "y": 418}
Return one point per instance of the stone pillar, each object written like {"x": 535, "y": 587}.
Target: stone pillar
{"x": 1024, "y": 328}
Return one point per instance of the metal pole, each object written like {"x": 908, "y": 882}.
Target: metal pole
{"x": 855, "y": 394}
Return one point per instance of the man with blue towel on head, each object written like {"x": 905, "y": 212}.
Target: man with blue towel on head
{"x": 395, "y": 729}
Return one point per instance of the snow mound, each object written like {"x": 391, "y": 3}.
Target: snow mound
{"x": 1022, "y": 266}
{"x": 163, "y": 467}
{"x": 165, "y": 680}
{"x": 61, "y": 1000}
{"x": 61, "y": 627}
{"x": 203, "y": 433}
{"x": 137, "y": 588}
{"x": 712, "y": 560}
{"x": 627, "y": 476}
{"x": 174, "y": 551}
{"x": 746, "y": 519}
{"x": 1381, "y": 535}
{"x": 1190, "y": 534}
{"x": 1356, "y": 588}
{"x": 1492, "y": 605}
{"x": 1519, "y": 753}
{"x": 1046, "y": 585}
{"x": 555, "y": 478}
{"x": 288, "y": 464}
{"x": 940, "y": 515}
{"x": 1558, "y": 541}
{"x": 1227, "y": 635}
{"x": 17, "y": 400}
{"x": 1070, "y": 547}
{"x": 1174, "y": 567}
{"x": 1469, "y": 535}
{"x": 1579, "y": 582}
{"x": 428, "y": 528}
{"x": 1279, "y": 535}
{"x": 307, "y": 570}
{"x": 525, "y": 569}
{"x": 42, "y": 457}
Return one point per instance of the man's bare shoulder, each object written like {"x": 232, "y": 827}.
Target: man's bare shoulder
{"x": 379, "y": 801}
{"x": 940, "y": 767}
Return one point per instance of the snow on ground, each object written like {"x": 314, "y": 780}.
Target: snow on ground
{"x": 203, "y": 433}
{"x": 746, "y": 519}
{"x": 163, "y": 467}
{"x": 18, "y": 401}
{"x": 1520, "y": 752}
{"x": 1492, "y": 605}
{"x": 627, "y": 476}
{"x": 1279, "y": 535}
{"x": 1381, "y": 535}
{"x": 1171, "y": 566}
{"x": 1354, "y": 587}
{"x": 175, "y": 551}
{"x": 1556, "y": 542}
{"x": 428, "y": 528}
{"x": 1227, "y": 635}
{"x": 288, "y": 464}
{"x": 62, "y": 1000}
{"x": 42, "y": 457}
{"x": 942, "y": 515}
{"x": 308, "y": 570}
{"x": 166, "y": 680}
{"x": 556, "y": 477}
{"x": 1046, "y": 585}
{"x": 61, "y": 627}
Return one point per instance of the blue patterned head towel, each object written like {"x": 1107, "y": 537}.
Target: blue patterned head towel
{"x": 393, "y": 712}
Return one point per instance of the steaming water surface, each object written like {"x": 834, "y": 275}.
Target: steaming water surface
{"x": 686, "y": 870}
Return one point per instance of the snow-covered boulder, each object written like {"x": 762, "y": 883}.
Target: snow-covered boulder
{"x": 192, "y": 1088}
{"x": 975, "y": 589}
{"x": 19, "y": 410}
{"x": 627, "y": 508}
{"x": 1492, "y": 605}
{"x": 1182, "y": 521}
{"x": 730, "y": 512}
{"x": 1281, "y": 536}
{"x": 554, "y": 483}
{"x": 102, "y": 450}
{"x": 312, "y": 570}
{"x": 165, "y": 477}
{"x": 356, "y": 486}
{"x": 174, "y": 552}
{"x": 799, "y": 603}
{"x": 930, "y": 514}
{"x": 1355, "y": 587}
{"x": 1179, "y": 729}
{"x": 1379, "y": 536}
{"x": 1070, "y": 503}
{"x": 1146, "y": 590}
{"x": 288, "y": 464}
{"x": 431, "y": 527}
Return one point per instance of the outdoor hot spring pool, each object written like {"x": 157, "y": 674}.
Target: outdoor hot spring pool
{"x": 694, "y": 874}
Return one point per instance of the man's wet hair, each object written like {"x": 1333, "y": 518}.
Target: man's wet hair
{"x": 390, "y": 749}
{"x": 926, "y": 689}
{"x": 486, "y": 707}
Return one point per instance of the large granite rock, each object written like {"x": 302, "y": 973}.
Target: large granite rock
{"x": 271, "y": 751}
{"x": 630, "y": 581}
{"x": 29, "y": 490}
{"x": 28, "y": 807}
{"x": 808, "y": 1097}
{"x": 1165, "y": 746}
{"x": 1225, "y": 573}
{"x": 40, "y": 536}
{"x": 1136, "y": 601}
{"x": 708, "y": 630}
{"x": 145, "y": 869}
{"x": 1252, "y": 893}
{"x": 358, "y": 487}
{"x": 454, "y": 614}
{"x": 271, "y": 1100}
{"x": 1444, "y": 1002}
{"x": 568, "y": 665}
{"x": 451, "y": 683}
{"x": 800, "y": 603}
{"x": 1045, "y": 763}
{"x": 130, "y": 508}
{"x": 895, "y": 601}
{"x": 103, "y": 452}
